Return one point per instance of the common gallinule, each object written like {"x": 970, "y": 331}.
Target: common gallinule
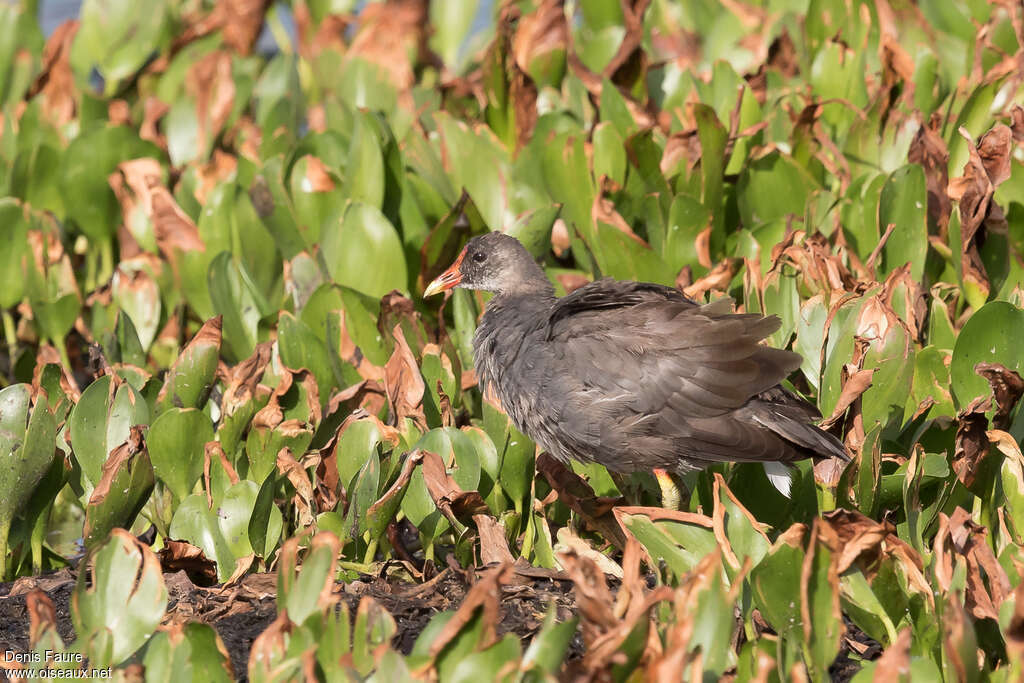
{"x": 633, "y": 375}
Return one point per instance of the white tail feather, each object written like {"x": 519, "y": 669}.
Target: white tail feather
{"x": 779, "y": 476}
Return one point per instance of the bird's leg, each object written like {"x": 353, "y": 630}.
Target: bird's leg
{"x": 673, "y": 491}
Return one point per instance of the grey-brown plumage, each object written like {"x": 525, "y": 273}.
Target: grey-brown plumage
{"x": 632, "y": 375}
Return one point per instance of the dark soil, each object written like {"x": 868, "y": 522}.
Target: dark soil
{"x": 240, "y": 613}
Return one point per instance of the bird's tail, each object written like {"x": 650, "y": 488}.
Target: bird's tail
{"x": 780, "y": 476}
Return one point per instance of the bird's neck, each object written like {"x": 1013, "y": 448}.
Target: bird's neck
{"x": 524, "y": 299}
{"x": 532, "y": 283}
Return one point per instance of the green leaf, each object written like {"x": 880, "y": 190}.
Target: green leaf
{"x": 548, "y": 648}
{"x": 118, "y": 600}
{"x": 89, "y": 159}
{"x": 197, "y": 524}
{"x": 364, "y": 170}
{"x": 609, "y": 153}
{"x": 14, "y": 233}
{"x": 235, "y": 302}
{"x": 672, "y": 537}
{"x": 116, "y": 37}
{"x": 365, "y": 252}
{"x": 904, "y": 203}
{"x": 266, "y": 521}
{"x": 770, "y": 188}
{"x": 190, "y": 379}
{"x": 131, "y": 480}
{"x": 302, "y": 591}
{"x": 892, "y": 359}
{"x": 186, "y": 652}
{"x": 274, "y": 207}
{"x": 28, "y": 453}
{"x": 99, "y": 423}
{"x": 301, "y": 348}
{"x": 177, "y": 442}
{"x": 991, "y": 335}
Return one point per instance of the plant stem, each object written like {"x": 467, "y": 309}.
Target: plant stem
{"x": 528, "y": 536}
{"x": 371, "y": 550}
{"x": 62, "y": 349}
{"x": 36, "y": 539}
{"x": 5, "y": 529}
{"x": 106, "y": 261}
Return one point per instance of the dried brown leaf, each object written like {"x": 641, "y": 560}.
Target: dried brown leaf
{"x": 397, "y": 488}
{"x": 987, "y": 583}
{"x": 393, "y": 36}
{"x": 493, "y": 545}
{"x": 580, "y": 498}
{"x": 118, "y": 458}
{"x": 1007, "y": 388}
{"x": 540, "y": 32}
{"x": 717, "y": 280}
{"x": 210, "y": 82}
{"x": 42, "y": 615}
{"x": 456, "y": 505}
{"x": 211, "y": 174}
{"x": 894, "y": 664}
{"x": 971, "y": 444}
{"x": 152, "y": 111}
{"x": 182, "y": 556}
{"x": 928, "y": 149}
{"x": 56, "y": 82}
{"x": 860, "y": 540}
{"x": 485, "y": 595}
{"x": 987, "y": 166}
{"x": 404, "y": 383}
{"x": 299, "y": 478}
{"x": 855, "y": 383}
{"x": 242, "y": 21}
{"x": 243, "y": 379}
{"x": 368, "y": 395}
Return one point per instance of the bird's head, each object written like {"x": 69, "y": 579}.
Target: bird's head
{"x": 496, "y": 263}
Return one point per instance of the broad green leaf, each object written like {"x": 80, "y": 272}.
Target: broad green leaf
{"x": 119, "y": 599}
{"x": 100, "y": 422}
{"x": 120, "y": 494}
{"x": 904, "y": 203}
{"x": 186, "y": 652}
{"x": 197, "y": 524}
{"x": 90, "y": 158}
{"x": 364, "y": 252}
{"x": 29, "y": 452}
{"x": 177, "y": 441}
{"x": 991, "y": 335}
{"x": 190, "y": 379}
{"x": 116, "y": 37}
{"x": 772, "y": 187}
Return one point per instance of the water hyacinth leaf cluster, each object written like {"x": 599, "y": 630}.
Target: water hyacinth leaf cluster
{"x": 222, "y": 383}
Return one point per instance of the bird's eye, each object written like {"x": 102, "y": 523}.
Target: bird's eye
{"x": 479, "y": 256}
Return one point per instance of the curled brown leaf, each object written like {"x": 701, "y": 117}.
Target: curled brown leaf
{"x": 404, "y": 383}
{"x": 1007, "y": 388}
{"x": 182, "y": 556}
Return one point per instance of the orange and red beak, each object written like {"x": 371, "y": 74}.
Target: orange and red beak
{"x": 448, "y": 279}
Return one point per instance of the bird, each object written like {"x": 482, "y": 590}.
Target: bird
{"x": 635, "y": 376}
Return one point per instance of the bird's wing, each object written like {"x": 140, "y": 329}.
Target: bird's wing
{"x": 665, "y": 351}
{"x": 666, "y": 367}
{"x": 607, "y": 294}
